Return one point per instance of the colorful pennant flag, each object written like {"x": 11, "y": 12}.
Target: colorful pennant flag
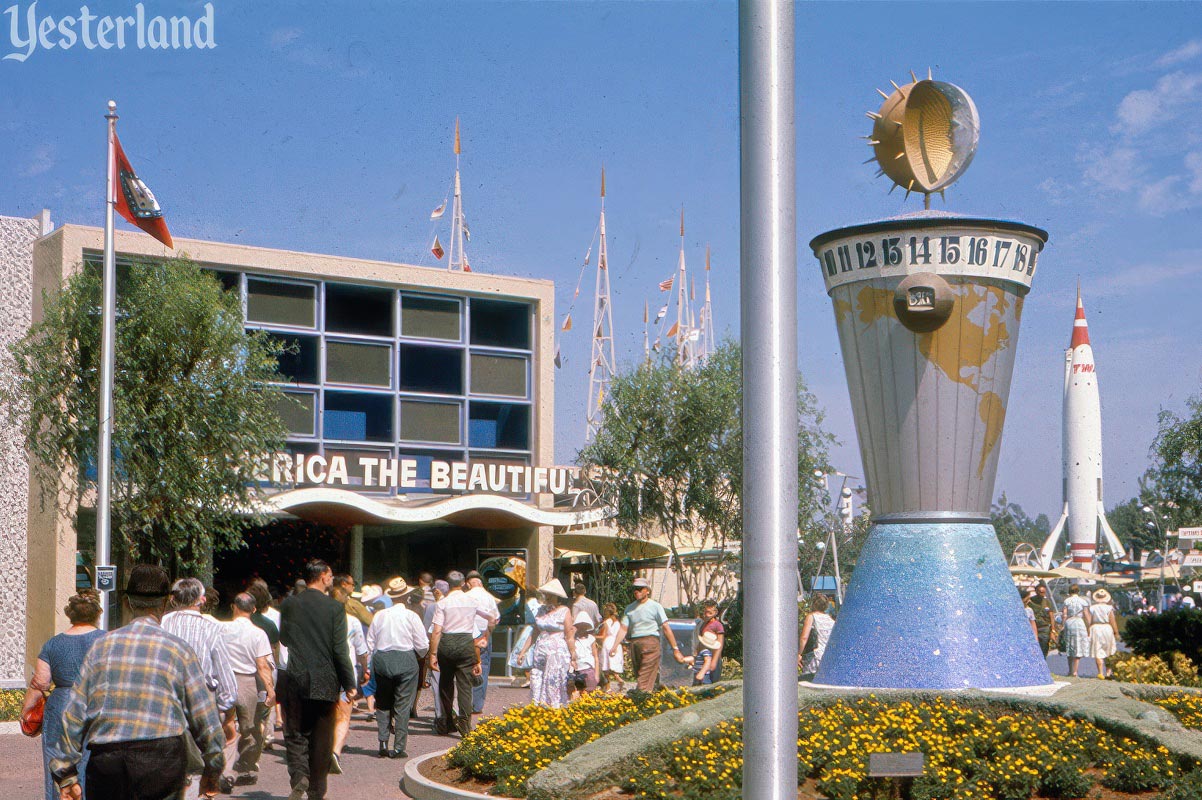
{"x": 436, "y": 249}
{"x": 663, "y": 312}
{"x": 672, "y": 331}
{"x": 588, "y": 256}
{"x": 467, "y": 234}
{"x": 438, "y": 212}
{"x": 558, "y": 359}
{"x": 467, "y": 267}
{"x": 567, "y": 322}
{"x": 666, "y": 286}
{"x": 133, "y": 199}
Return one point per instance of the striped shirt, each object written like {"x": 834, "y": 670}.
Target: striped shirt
{"x": 138, "y": 682}
{"x": 207, "y": 638}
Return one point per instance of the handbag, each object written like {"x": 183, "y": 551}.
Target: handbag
{"x": 522, "y": 663}
{"x": 31, "y": 720}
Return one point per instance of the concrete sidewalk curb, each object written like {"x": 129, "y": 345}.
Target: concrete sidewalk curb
{"x": 419, "y": 787}
{"x": 7, "y": 728}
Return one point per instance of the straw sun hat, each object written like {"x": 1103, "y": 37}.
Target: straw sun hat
{"x": 370, "y": 592}
{"x": 554, "y": 587}
{"x": 398, "y": 588}
{"x": 1101, "y": 596}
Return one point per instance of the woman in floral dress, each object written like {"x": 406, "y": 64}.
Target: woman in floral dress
{"x": 554, "y": 647}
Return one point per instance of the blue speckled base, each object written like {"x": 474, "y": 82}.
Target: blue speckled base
{"x": 932, "y": 606}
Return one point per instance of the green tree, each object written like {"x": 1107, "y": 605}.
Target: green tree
{"x": 669, "y": 455}
{"x": 1174, "y": 484}
{"x": 194, "y": 410}
{"x": 1015, "y": 527}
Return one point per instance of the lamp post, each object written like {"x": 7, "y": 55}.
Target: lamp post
{"x": 1154, "y": 525}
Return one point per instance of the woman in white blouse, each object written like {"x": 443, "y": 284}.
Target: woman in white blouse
{"x": 1103, "y": 630}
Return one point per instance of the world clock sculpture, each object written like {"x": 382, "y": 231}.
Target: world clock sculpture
{"x": 928, "y": 306}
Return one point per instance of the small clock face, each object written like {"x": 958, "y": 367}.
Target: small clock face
{"x": 925, "y": 135}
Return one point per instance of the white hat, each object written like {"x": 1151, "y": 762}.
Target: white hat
{"x": 370, "y": 592}
{"x": 398, "y": 588}
{"x": 708, "y": 640}
{"x": 554, "y": 587}
{"x": 1101, "y": 596}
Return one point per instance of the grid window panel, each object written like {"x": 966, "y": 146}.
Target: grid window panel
{"x": 431, "y": 318}
{"x": 498, "y": 323}
{"x": 298, "y": 410}
{"x": 299, "y": 362}
{"x": 363, "y": 364}
{"x": 358, "y": 417}
{"x": 423, "y": 421}
{"x": 363, "y": 310}
{"x": 424, "y": 458}
{"x": 437, "y": 370}
{"x": 504, "y": 426}
{"x": 499, "y": 375}
{"x": 277, "y": 303}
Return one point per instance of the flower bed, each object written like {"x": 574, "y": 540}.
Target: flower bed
{"x": 1185, "y": 706}
{"x": 971, "y": 753}
{"x": 510, "y": 748}
{"x": 11, "y": 702}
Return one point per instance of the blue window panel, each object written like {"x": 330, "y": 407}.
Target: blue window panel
{"x": 482, "y": 432}
{"x": 350, "y": 425}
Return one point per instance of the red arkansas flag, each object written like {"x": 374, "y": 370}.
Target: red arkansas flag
{"x": 134, "y": 200}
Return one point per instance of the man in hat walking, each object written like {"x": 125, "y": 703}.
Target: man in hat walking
{"x": 486, "y": 621}
{"x": 140, "y": 691}
{"x": 313, "y": 628}
{"x": 642, "y": 622}
{"x": 453, "y": 654}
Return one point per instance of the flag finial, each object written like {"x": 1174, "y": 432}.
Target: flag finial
{"x": 707, "y": 258}
{"x": 458, "y": 149}
{"x": 682, "y": 220}
{"x": 603, "y": 180}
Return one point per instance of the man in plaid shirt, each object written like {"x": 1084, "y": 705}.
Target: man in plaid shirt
{"x": 136, "y": 700}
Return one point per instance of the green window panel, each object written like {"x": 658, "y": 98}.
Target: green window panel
{"x": 430, "y": 422}
{"x": 363, "y": 364}
{"x": 277, "y": 303}
{"x": 430, "y": 318}
{"x": 499, "y": 375}
{"x": 299, "y": 413}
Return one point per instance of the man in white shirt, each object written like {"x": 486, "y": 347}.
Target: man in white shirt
{"x": 250, "y": 656}
{"x": 453, "y": 653}
{"x": 397, "y": 640}
{"x": 482, "y": 632}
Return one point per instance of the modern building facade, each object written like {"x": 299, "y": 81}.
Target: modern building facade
{"x": 420, "y": 408}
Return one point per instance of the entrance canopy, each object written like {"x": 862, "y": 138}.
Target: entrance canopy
{"x": 484, "y": 511}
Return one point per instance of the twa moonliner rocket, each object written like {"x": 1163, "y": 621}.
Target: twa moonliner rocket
{"x": 1084, "y": 515}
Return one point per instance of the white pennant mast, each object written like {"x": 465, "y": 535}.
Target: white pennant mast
{"x": 104, "y": 453}
{"x": 458, "y": 259}
{"x": 603, "y": 363}
{"x": 684, "y": 348}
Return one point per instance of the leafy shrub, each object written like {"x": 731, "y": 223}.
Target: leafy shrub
{"x": 1173, "y": 631}
{"x": 11, "y": 701}
{"x": 1066, "y": 779}
{"x": 971, "y": 753}
{"x": 1135, "y": 768}
{"x": 1171, "y": 669}
{"x": 1186, "y": 787}
{"x": 1185, "y": 706}
{"x": 512, "y": 747}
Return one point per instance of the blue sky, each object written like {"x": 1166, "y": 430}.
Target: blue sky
{"x": 327, "y": 127}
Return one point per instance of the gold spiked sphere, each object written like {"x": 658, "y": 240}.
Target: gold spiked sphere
{"x": 924, "y": 135}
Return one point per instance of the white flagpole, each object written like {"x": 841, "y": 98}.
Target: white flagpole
{"x": 104, "y": 455}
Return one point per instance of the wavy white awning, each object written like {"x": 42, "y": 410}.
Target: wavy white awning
{"x": 343, "y": 507}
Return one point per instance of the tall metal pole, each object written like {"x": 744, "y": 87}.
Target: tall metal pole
{"x": 768, "y": 293}
{"x": 108, "y": 303}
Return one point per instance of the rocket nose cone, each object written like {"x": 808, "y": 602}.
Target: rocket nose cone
{"x": 1080, "y": 326}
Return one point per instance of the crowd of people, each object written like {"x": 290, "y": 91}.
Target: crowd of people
{"x": 178, "y": 698}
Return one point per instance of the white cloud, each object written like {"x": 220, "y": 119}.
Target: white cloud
{"x": 284, "y": 37}
{"x": 1116, "y": 169}
{"x": 1193, "y": 163}
{"x": 1174, "y": 267}
{"x": 1146, "y": 109}
{"x": 1186, "y": 52}
{"x": 40, "y": 162}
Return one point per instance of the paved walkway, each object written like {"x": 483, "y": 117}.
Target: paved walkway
{"x": 365, "y": 774}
